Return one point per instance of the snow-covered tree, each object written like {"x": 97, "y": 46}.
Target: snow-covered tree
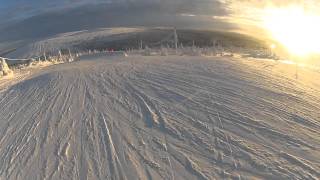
{"x": 4, "y": 68}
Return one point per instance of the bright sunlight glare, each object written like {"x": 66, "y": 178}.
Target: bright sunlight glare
{"x": 294, "y": 28}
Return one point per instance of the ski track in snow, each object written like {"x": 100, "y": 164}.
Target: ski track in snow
{"x": 160, "y": 118}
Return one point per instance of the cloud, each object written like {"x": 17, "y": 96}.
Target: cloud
{"x": 122, "y": 13}
{"x": 215, "y": 14}
{"x": 22, "y": 8}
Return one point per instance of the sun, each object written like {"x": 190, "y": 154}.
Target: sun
{"x": 295, "y": 28}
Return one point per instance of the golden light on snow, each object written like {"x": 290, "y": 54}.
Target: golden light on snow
{"x": 295, "y": 28}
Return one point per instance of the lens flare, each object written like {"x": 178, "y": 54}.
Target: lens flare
{"x": 294, "y": 28}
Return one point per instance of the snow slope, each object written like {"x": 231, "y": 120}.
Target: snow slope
{"x": 162, "y": 118}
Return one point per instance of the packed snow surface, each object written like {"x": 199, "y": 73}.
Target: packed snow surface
{"x": 162, "y": 118}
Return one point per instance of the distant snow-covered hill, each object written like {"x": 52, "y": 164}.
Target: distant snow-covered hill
{"x": 125, "y": 38}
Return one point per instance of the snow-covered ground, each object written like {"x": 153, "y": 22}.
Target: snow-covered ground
{"x": 170, "y": 117}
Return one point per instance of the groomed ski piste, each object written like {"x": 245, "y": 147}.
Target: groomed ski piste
{"x": 161, "y": 117}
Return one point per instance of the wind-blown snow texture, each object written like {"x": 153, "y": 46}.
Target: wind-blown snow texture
{"x": 161, "y": 118}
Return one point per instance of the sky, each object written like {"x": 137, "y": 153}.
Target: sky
{"x": 236, "y": 15}
{"x": 13, "y": 8}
